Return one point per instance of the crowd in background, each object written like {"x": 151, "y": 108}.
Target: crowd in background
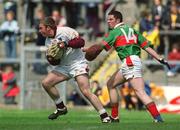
{"x": 160, "y": 16}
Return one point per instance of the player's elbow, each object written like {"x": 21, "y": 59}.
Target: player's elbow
{"x": 77, "y": 42}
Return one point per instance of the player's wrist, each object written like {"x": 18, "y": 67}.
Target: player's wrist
{"x": 161, "y": 60}
{"x": 62, "y": 45}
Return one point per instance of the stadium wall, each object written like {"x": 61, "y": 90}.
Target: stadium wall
{"x": 170, "y": 102}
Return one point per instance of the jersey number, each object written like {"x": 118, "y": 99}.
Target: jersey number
{"x": 130, "y": 35}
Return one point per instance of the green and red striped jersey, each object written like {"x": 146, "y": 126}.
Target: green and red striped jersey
{"x": 125, "y": 40}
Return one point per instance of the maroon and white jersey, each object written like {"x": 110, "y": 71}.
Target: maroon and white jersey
{"x": 71, "y": 56}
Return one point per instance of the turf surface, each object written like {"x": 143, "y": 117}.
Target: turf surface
{"x": 83, "y": 120}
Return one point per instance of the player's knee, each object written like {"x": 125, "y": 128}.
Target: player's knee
{"x": 45, "y": 84}
{"x": 86, "y": 92}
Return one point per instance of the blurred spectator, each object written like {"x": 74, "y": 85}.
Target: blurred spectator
{"x": 157, "y": 93}
{"x": 39, "y": 68}
{"x": 104, "y": 97}
{"x": 93, "y": 18}
{"x": 60, "y": 20}
{"x": 130, "y": 99}
{"x": 102, "y": 93}
{"x": 148, "y": 30}
{"x": 145, "y": 22}
{"x": 174, "y": 55}
{"x": 72, "y": 10}
{"x": 128, "y": 95}
{"x": 158, "y": 11}
{"x": 171, "y": 2}
{"x": 106, "y": 5}
{"x": 40, "y": 15}
{"x": 172, "y": 21}
{"x": 9, "y": 30}
{"x": 76, "y": 99}
{"x": 9, "y": 85}
{"x": 95, "y": 88}
{"x": 10, "y": 5}
{"x": 153, "y": 36}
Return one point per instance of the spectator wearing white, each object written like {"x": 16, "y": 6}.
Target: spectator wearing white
{"x": 60, "y": 20}
{"x": 9, "y": 30}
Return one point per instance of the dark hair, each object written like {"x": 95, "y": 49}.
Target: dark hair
{"x": 116, "y": 14}
{"x": 49, "y": 21}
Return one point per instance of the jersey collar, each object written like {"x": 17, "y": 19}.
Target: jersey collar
{"x": 119, "y": 24}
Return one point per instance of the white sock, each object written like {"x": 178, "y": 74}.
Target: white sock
{"x": 57, "y": 101}
{"x": 102, "y": 111}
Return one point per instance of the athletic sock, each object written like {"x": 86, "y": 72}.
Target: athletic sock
{"x": 114, "y": 110}
{"x": 59, "y": 103}
{"x": 151, "y": 107}
{"x": 103, "y": 114}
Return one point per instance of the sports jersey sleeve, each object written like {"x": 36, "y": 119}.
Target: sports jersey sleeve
{"x": 63, "y": 38}
{"x": 66, "y": 34}
{"x": 108, "y": 40}
{"x": 142, "y": 41}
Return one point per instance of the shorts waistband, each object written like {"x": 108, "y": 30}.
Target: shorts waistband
{"x": 128, "y": 59}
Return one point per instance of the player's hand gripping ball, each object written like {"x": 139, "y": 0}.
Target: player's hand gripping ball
{"x": 55, "y": 52}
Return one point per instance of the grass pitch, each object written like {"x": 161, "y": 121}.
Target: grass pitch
{"x": 83, "y": 120}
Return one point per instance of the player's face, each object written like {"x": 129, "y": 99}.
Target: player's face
{"x": 45, "y": 31}
{"x": 112, "y": 21}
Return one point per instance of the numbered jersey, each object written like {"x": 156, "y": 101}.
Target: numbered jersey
{"x": 125, "y": 40}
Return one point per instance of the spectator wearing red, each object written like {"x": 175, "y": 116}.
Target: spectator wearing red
{"x": 174, "y": 55}
{"x": 9, "y": 86}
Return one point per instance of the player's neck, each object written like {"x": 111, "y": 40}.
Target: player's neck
{"x": 119, "y": 24}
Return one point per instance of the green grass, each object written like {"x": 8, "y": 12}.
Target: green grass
{"x": 83, "y": 120}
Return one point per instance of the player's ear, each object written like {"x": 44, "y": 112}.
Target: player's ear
{"x": 118, "y": 20}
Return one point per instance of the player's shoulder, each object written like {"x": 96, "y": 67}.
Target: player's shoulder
{"x": 65, "y": 28}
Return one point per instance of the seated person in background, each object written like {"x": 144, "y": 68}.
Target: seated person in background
{"x": 104, "y": 97}
{"x": 130, "y": 98}
{"x": 102, "y": 93}
{"x": 174, "y": 55}
{"x": 60, "y": 20}
{"x": 146, "y": 23}
{"x": 9, "y": 86}
{"x": 128, "y": 95}
{"x": 76, "y": 98}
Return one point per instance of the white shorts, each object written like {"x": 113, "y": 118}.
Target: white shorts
{"x": 71, "y": 71}
{"x": 132, "y": 71}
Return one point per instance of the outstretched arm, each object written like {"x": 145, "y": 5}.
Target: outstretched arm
{"x": 92, "y": 52}
{"x": 153, "y": 53}
{"x": 157, "y": 57}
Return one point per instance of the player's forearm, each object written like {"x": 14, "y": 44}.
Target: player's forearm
{"x": 153, "y": 53}
{"x": 157, "y": 57}
{"x": 93, "y": 51}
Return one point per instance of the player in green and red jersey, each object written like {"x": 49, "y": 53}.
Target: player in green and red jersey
{"x": 127, "y": 43}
